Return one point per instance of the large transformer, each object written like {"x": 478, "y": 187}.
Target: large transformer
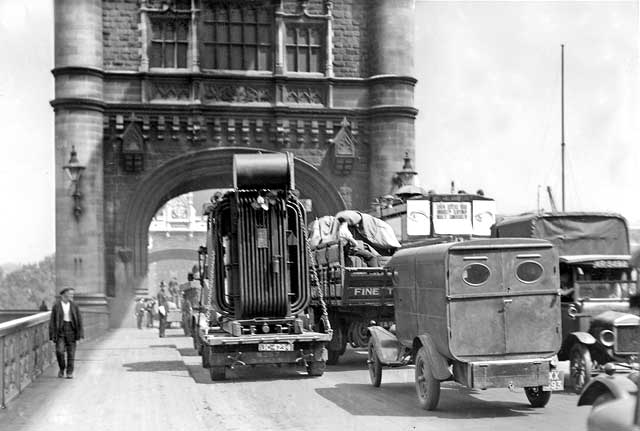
{"x": 254, "y": 273}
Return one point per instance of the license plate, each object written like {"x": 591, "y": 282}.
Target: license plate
{"x": 556, "y": 381}
{"x": 275, "y": 347}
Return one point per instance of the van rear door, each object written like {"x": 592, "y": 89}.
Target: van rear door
{"x": 475, "y": 295}
{"x": 503, "y": 299}
{"x": 532, "y": 305}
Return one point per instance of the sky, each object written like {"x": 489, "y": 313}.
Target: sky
{"x": 488, "y": 93}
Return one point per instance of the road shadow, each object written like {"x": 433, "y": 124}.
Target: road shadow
{"x": 399, "y": 399}
{"x": 352, "y": 359}
{"x": 259, "y": 373}
{"x": 162, "y": 346}
{"x": 151, "y": 366}
{"x": 188, "y": 351}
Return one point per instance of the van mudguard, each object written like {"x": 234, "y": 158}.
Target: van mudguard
{"x": 438, "y": 363}
{"x": 572, "y": 338}
{"x": 386, "y": 345}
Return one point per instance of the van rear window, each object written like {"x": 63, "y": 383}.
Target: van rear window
{"x": 529, "y": 271}
{"x": 476, "y": 274}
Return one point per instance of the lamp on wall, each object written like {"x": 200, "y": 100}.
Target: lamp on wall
{"x": 74, "y": 171}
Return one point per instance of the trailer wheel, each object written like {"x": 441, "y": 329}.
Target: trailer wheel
{"x": 316, "y": 368}
{"x": 218, "y": 373}
{"x": 196, "y": 343}
{"x": 536, "y": 396}
{"x": 427, "y": 386}
{"x": 186, "y": 322}
{"x": 579, "y": 367}
{"x": 375, "y": 366}
{"x": 186, "y": 329}
{"x": 205, "y": 356}
{"x": 337, "y": 345}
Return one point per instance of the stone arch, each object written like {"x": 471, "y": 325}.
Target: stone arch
{"x": 200, "y": 170}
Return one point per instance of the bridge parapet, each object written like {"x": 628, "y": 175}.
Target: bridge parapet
{"x": 25, "y": 352}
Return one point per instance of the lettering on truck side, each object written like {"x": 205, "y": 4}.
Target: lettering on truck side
{"x": 371, "y": 291}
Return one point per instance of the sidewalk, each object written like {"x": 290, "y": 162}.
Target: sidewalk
{"x": 127, "y": 379}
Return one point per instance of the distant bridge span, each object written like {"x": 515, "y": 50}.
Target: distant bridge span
{"x": 173, "y": 254}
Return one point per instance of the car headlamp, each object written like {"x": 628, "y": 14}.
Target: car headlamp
{"x": 607, "y": 337}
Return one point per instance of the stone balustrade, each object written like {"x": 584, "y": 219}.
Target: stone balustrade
{"x": 25, "y": 352}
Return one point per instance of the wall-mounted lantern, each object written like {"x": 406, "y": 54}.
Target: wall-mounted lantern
{"x": 74, "y": 170}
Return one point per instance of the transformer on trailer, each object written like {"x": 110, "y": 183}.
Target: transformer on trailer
{"x": 255, "y": 275}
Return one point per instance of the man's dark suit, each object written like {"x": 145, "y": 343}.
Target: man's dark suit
{"x": 65, "y": 334}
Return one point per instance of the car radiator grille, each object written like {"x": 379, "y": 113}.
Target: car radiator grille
{"x": 628, "y": 339}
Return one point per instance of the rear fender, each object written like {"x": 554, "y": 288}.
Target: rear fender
{"x": 572, "y": 338}
{"x": 386, "y": 345}
{"x": 617, "y": 386}
{"x": 439, "y": 365}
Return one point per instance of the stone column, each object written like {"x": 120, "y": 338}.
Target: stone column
{"x": 391, "y": 36}
{"x": 79, "y": 107}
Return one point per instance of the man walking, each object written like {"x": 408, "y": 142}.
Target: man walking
{"x": 65, "y": 328}
{"x": 139, "y": 312}
{"x": 163, "y": 309}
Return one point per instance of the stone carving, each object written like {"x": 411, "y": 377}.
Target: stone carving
{"x": 304, "y": 95}
{"x": 166, "y": 5}
{"x": 169, "y": 91}
{"x": 234, "y": 94}
{"x": 347, "y": 195}
{"x": 125, "y": 254}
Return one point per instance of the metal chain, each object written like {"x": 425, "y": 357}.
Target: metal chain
{"x": 314, "y": 275}
{"x": 316, "y": 282}
{"x": 211, "y": 260}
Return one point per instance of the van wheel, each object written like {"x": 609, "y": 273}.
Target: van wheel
{"x": 375, "y": 366}
{"x": 579, "y": 367}
{"x": 537, "y": 397}
{"x": 427, "y": 387}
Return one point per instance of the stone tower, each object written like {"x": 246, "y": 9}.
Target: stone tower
{"x": 157, "y": 95}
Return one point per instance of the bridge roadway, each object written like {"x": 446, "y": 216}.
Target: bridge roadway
{"x": 130, "y": 379}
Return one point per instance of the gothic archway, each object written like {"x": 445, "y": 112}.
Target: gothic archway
{"x": 200, "y": 170}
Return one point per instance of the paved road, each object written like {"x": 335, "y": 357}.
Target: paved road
{"x": 132, "y": 380}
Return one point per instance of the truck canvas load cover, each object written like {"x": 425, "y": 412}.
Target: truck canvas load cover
{"x": 571, "y": 233}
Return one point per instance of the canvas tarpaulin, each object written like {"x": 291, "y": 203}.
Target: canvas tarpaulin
{"x": 374, "y": 231}
{"x": 571, "y": 234}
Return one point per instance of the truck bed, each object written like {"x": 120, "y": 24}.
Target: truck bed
{"x": 346, "y": 280}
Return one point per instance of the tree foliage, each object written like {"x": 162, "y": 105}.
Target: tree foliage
{"x": 27, "y": 287}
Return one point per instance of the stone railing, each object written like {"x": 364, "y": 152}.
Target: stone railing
{"x": 25, "y": 352}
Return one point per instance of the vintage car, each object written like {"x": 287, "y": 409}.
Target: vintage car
{"x": 484, "y": 313}
{"x": 597, "y": 325}
{"x": 616, "y": 406}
